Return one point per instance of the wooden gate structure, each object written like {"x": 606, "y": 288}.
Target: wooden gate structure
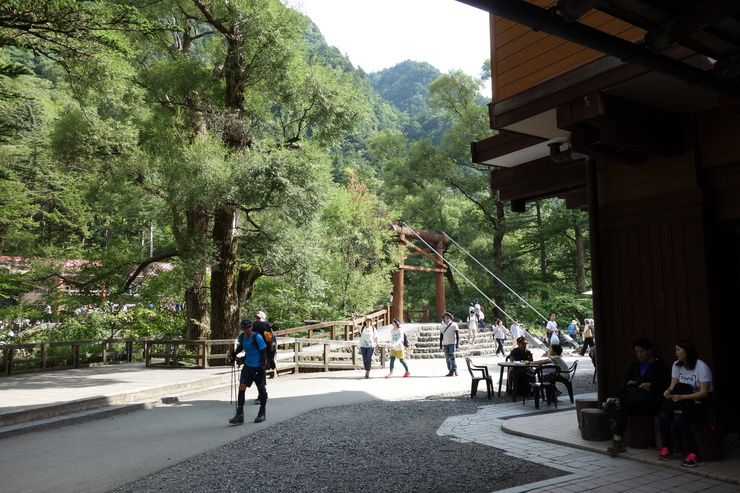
{"x": 437, "y": 240}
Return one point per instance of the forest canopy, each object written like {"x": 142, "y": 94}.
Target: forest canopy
{"x": 221, "y": 158}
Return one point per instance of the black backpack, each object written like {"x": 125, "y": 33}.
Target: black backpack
{"x": 265, "y": 330}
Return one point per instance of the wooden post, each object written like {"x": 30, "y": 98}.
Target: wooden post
{"x": 439, "y": 283}
{"x": 425, "y": 314}
{"x": 397, "y": 305}
{"x": 327, "y": 356}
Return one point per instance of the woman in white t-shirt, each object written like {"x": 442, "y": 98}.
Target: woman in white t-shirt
{"x": 695, "y": 377}
{"x": 368, "y": 342}
{"x": 472, "y": 325}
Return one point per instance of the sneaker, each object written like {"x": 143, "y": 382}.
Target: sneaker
{"x": 238, "y": 419}
{"x": 407, "y": 374}
{"x": 390, "y": 375}
{"x": 367, "y": 374}
{"x": 455, "y": 372}
{"x": 691, "y": 460}
{"x": 617, "y": 447}
{"x": 665, "y": 454}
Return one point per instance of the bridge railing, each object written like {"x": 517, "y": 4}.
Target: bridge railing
{"x": 338, "y": 349}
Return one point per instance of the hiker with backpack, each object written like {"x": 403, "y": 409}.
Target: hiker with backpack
{"x": 253, "y": 371}
{"x": 262, "y": 327}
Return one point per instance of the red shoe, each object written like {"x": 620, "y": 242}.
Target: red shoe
{"x": 407, "y": 374}
{"x": 390, "y": 375}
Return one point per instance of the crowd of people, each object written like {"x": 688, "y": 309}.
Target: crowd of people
{"x": 678, "y": 397}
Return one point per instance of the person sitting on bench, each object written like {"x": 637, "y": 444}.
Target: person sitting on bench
{"x": 645, "y": 381}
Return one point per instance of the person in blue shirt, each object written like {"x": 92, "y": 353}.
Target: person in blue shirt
{"x": 253, "y": 371}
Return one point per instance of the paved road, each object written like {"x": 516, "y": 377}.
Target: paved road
{"x": 99, "y": 455}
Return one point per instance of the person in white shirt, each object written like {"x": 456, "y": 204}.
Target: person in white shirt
{"x": 695, "y": 379}
{"x": 368, "y": 343}
{"x": 516, "y": 330}
{"x": 399, "y": 342}
{"x": 472, "y": 325}
{"x": 449, "y": 338}
{"x": 551, "y": 328}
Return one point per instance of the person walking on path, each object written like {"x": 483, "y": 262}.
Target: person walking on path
{"x": 399, "y": 342}
{"x": 686, "y": 405}
{"x": 552, "y": 328}
{"x": 499, "y": 333}
{"x": 573, "y": 330}
{"x": 472, "y": 325}
{"x": 588, "y": 335}
{"x": 644, "y": 381}
{"x": 368, "y": 343}
{"x": 516, "y": 330}
{"x": 253, "y": 371}
{"x": 449, "y": 337}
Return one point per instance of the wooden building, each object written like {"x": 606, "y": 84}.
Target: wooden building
{"x": 631, "y": 111}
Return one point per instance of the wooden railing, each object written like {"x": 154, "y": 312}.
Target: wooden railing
{"x": 45, "y": 356}
{"x": 337, "y": 349}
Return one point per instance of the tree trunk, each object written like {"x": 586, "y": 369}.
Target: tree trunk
{"x": 224, "y": 300}
{"x": 245, "y": 283}
{"x": 543, "y": 251}
{"x": 196, "y": 297}
{"x": 580, "y": 260}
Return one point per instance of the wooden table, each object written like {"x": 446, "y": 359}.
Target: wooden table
{"x": 512, "y": 384}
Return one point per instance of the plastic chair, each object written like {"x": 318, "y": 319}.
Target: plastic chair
{"x": 544, "y": 386}
{"x": 484, "y": 375}
{"x": 566, "y": 377}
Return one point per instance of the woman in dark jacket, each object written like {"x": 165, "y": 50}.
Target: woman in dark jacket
{"x": 645, "y": 381}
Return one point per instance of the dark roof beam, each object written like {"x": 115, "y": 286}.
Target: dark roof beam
{"x": 692, "y": 21}
{"x": 572, "y": 10}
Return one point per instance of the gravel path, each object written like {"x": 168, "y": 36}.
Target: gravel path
{"x": 374, "y": 446}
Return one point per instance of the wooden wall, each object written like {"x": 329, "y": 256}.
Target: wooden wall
{"x": 522, "y": 58}
{"x": 670, "y": 254}
{"x": 654, "y": 277}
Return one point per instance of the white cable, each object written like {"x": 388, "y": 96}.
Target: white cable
{"x": 495, "y": 277}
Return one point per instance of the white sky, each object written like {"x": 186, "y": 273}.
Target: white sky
{"x": 377, "y": 34}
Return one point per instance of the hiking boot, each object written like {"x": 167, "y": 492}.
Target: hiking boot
{"x": 260, "y": 417}
{"x": 238, "y": 419}
{"x": 665, "y": 454}
{"x": 617, "y": 447}
{"x": 611, "y": 403}
{"x": 407, "y": 374}
{"x": 450, "y": 374}
{"x": 692, "y": 460}
{"x": 390, "y": 375}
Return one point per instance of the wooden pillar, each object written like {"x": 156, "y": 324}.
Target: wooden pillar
{"x": 439, "y": 283}
{"x": 397, "y": 305}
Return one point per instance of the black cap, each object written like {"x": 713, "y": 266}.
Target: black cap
{"x": 245, "y": 323}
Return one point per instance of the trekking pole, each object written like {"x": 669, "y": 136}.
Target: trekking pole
{"x": 233, "y": 379}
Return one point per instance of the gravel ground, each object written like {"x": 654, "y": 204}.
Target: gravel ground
{"x": 374, "y": 446}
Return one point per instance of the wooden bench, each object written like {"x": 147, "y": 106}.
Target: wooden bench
{"x": 585, "y": 403}
{"x": 640, "y": 431}
{"x": 595, "y": 425}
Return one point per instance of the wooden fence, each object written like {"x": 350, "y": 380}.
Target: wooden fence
{"x": 320, "y": 349}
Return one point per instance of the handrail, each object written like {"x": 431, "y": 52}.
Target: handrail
{"x": 127, "y": 350}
